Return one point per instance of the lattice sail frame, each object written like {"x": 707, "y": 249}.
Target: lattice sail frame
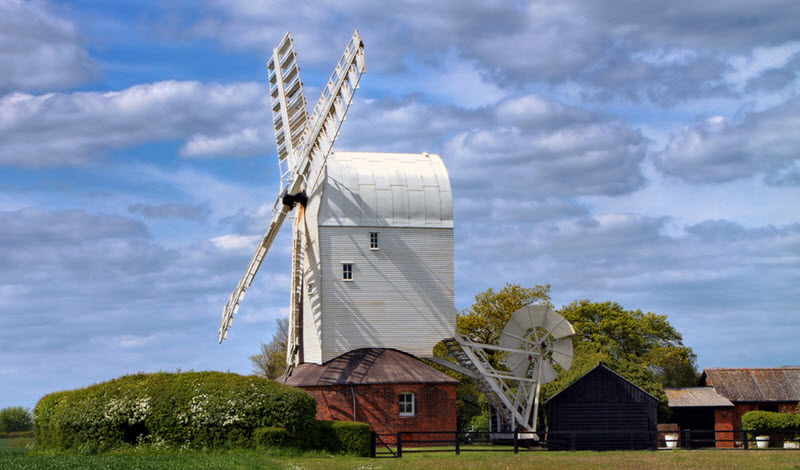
{"x": 314, "y": 145}
{"x": 533, "y": 339}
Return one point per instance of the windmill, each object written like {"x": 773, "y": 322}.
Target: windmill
{"x": 372, "y": 251}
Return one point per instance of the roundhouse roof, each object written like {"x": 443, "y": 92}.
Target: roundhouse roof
{"x": 386, "y": 190}
{"x": 367, "y": 366}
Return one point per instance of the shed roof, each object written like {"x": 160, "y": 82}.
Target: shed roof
{"x": 776, "y": 384}
{"x": 367, "y": 366}
{"x": 386, "y": 189}
{"x": 694, "y": 397}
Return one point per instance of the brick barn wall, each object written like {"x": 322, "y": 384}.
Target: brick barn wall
{"x": 724, "y": 424}
{"x": 377, "y": 405}
{"x": 728, "y": 420}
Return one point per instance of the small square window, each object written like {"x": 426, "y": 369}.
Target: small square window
{"x": 406, "y": 403}
{"x": 347, "y": 271}
{"x": 373, "y": 240}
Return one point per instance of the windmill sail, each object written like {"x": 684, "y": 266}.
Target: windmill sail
{"x": 329, "y": 114}
{"x": 311, "y": 152}
{"x": 289, "y": 113}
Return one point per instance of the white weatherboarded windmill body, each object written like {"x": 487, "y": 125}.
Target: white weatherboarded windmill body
{"x": 372, "y": 254}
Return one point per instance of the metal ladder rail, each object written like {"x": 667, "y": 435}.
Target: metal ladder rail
{"x": 483, "y": 385}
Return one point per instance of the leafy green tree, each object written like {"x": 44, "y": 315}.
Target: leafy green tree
{"x": 15, "y": 419}
{"x": 630, "y": 335}
{"x": 270, "y": 362}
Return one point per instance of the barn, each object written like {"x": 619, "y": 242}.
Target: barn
{"x": 727, "y": 394}
{"x": 390, "y": 390}
{"x": 601, "y": 411}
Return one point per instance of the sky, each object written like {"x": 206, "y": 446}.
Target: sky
{"x": 616, "y": 150}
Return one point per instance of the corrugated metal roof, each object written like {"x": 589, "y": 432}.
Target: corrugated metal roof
{"x": 368, "y": 366}
{"x": 778, "y": 384}
{"x": 386, "y": 190}
{"x": 695, "y": 396}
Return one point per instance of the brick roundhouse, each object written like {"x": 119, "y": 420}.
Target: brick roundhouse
{"x": 388, "y": 389}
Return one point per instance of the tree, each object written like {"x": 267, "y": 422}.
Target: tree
{"x": 271, "y": 361}
{"x": 15, "y": 419}
{"x": 630, "y": 335}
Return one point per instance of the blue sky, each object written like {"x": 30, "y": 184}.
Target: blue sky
{"x": 614, "y": 150}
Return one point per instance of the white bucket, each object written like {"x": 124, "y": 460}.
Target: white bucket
{"x": 671, "y": 440}
{"x": 762, "y": 442}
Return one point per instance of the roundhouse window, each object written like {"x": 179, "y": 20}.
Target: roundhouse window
{"x": 406, "y": 402}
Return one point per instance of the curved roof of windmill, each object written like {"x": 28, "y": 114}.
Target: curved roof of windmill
{"x": 386, "y": 190}
{"x": 367, "y": 366}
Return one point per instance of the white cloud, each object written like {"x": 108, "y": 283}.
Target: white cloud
{"x": 70, "y": 129}
{"x": 622, "y": 49}
{"x": 171, "y": 210}
{"x": 244, "y": 243}
{"x": 745, "y": 68}
{"x": 718, "y": 150}
{"x": 535, "y": 148}
{"x": 243, "y": 142}
{"x": 38, "y": 49}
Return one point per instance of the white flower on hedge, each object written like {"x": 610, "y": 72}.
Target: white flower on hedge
{"x": 124, "y": 409}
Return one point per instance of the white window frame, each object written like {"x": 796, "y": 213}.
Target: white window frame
{"x": 404, "y": 404}
{"x": 373, "y": 241}
{"x": 347, "y": 271}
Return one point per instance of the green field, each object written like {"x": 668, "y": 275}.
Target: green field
{"x": 21, "y": 458}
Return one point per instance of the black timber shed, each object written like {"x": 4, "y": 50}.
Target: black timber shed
{"x": 602, "y": 411}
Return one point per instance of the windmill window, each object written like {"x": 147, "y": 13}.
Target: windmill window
{"x": 373, "y": 240}
{"x": 347, "y": 271}
{"x": 405, "y": 401}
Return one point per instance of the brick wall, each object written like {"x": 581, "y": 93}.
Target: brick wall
{"x": 729, "y": 419}
{"x": 377, "y": 405}
{"x": 725, "y": 422}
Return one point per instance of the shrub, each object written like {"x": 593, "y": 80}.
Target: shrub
{"x": 768, "y": 422}
{"x": 191, "y": 409}
{"x": 17, "y": 435}
{"x": 15, "y": 419}
{"x": 343, "y": 437}
{"x": 269, "y": 436}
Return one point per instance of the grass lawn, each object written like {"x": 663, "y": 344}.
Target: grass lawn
{"x": 21, "y": 458}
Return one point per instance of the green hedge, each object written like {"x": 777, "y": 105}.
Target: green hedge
{"x": 271, "y": 437}
{"x": 336, "y": 437}
{"x": 343, "y": 437}
{"x": 768, "y": 421}
{"x": 190, "y": 410}
{"x": 14, "y": 435}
